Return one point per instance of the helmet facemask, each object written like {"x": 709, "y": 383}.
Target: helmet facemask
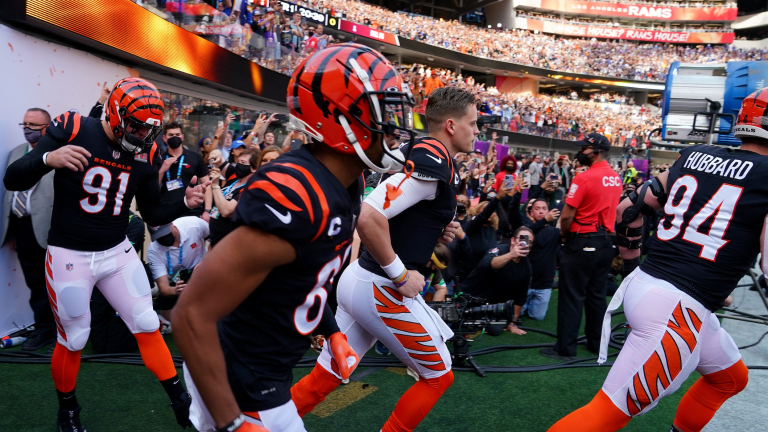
{"x": 126, "y": 134}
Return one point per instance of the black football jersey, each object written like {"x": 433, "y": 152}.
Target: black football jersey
{"x": 296, "y": 198}
{"x": 91, "y": 207}
{"x": 415, "y": 232}
{"x": 710, "y": 231}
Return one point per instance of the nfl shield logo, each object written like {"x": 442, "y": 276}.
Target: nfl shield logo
{"x": 70, "y": 267}
{"x": 116, "y": 154}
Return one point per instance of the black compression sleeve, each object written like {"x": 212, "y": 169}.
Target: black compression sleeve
{"x": 24, "y": 173}
{"x": 328, "y": 325}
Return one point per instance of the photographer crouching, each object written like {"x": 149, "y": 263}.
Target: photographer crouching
{"x": 175, "y": 251}
{"x": 504, "y": 274}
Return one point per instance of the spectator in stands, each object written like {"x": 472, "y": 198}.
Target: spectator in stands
{"x": 269, "y": 154}
{"x": 630, "y": 174}
{"x": 294, "y": 140}
{"x": 175, "y": 251}
{"x": 432, "y": 83}
{"x": 543, "y": 257}
{"x": 534, "y": 169}
{"x": 508, "y": 167}
{"x": 435, "y": 288}
{"x": 225, "y": 197}
{"x": 180, "y": 167}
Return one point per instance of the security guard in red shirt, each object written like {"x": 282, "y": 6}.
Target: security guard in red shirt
{"x": 587, "y": 224}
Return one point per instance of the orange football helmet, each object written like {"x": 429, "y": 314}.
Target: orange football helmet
{"x": 134, "y": 111}
{"x": 349, "y": 96}
{"x": 753, "y": 116}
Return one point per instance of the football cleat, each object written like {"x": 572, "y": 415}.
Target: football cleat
{"x": 69, "y": 421}
{"x": 181, "y": 410}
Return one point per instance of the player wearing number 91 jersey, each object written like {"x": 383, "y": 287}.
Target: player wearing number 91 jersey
{"x": 714, "y": 202}
{"x": 100, "y": 166}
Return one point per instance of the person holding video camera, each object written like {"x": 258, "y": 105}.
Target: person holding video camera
{"x": 504, "y": 274}
{"x": 175, "y": 251}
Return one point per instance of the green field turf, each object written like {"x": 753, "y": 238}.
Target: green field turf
{"x": 128, "y": 398}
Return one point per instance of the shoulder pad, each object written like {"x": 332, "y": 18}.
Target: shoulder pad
{"x": 431, "y": 161}
{"x": 286, "y": 200}
{"x": 65, "y": 127}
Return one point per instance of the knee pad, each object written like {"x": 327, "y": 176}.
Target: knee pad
{"x": 74, "y": 298}
{"x": 145, "y": 320}
{"x": 76, "y": 338}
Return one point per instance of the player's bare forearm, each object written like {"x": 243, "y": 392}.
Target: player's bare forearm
{"x": 219, "y": 284}
{"x": 373, "y": 229}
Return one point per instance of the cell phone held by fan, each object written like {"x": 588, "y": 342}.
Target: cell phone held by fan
{"x": 525, "y": 242}
{"x": 508, "y": 181}
{"x": 526, "y": 180}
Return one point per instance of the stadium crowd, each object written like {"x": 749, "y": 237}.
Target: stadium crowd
{"x": 279, "y": 41}
{"x": 556, "y": 116}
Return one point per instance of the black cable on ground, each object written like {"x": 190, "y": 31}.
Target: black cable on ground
{"x": 751, "y": 345}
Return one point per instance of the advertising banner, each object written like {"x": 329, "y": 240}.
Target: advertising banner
{"x": 368, "y": 32}
{"x": 634, "y": 11}
{"x": 567, "y": 29}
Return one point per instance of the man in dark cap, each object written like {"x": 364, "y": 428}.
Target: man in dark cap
{"x": 587, "y": 223}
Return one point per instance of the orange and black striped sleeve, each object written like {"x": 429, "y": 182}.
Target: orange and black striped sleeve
{"x": 286, "y": 200}
{"x": 431, "y": 160}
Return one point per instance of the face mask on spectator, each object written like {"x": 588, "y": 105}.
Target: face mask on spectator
{"x": 32, "y": 136}
{"x": 166, "y": 240}
{"x": 174, "y": 142}
{"x": 509, "y": 168}
{"x": 242, "y": 170}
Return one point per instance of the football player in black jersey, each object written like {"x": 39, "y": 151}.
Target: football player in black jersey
{"x": 715, "y": 202}
{"x": 100, "y": 166}
{"x": 401, "y": 222}
{"x": 267, "y": 282}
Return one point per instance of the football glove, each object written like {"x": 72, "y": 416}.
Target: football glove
{"x": 343, "y": 358}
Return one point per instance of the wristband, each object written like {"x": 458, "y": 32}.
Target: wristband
{"x": 401, "y": 280}
{"x": 233, "y": 425}
{"x": 207, "y": 210}
{"x": 215, "y": 187}
{"x": 395, "y": 269}
{"x": 185, "y": 203}
{"x": 45, "y": 157}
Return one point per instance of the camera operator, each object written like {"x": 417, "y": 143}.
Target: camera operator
{"x": 504, "y": 274}
{"x": 175, "y": 251}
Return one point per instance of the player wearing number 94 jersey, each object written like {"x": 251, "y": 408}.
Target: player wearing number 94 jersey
{"x": 266, "y": 284}
{"x": 100, "y": 166}
{"x": 715, "y": 203}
